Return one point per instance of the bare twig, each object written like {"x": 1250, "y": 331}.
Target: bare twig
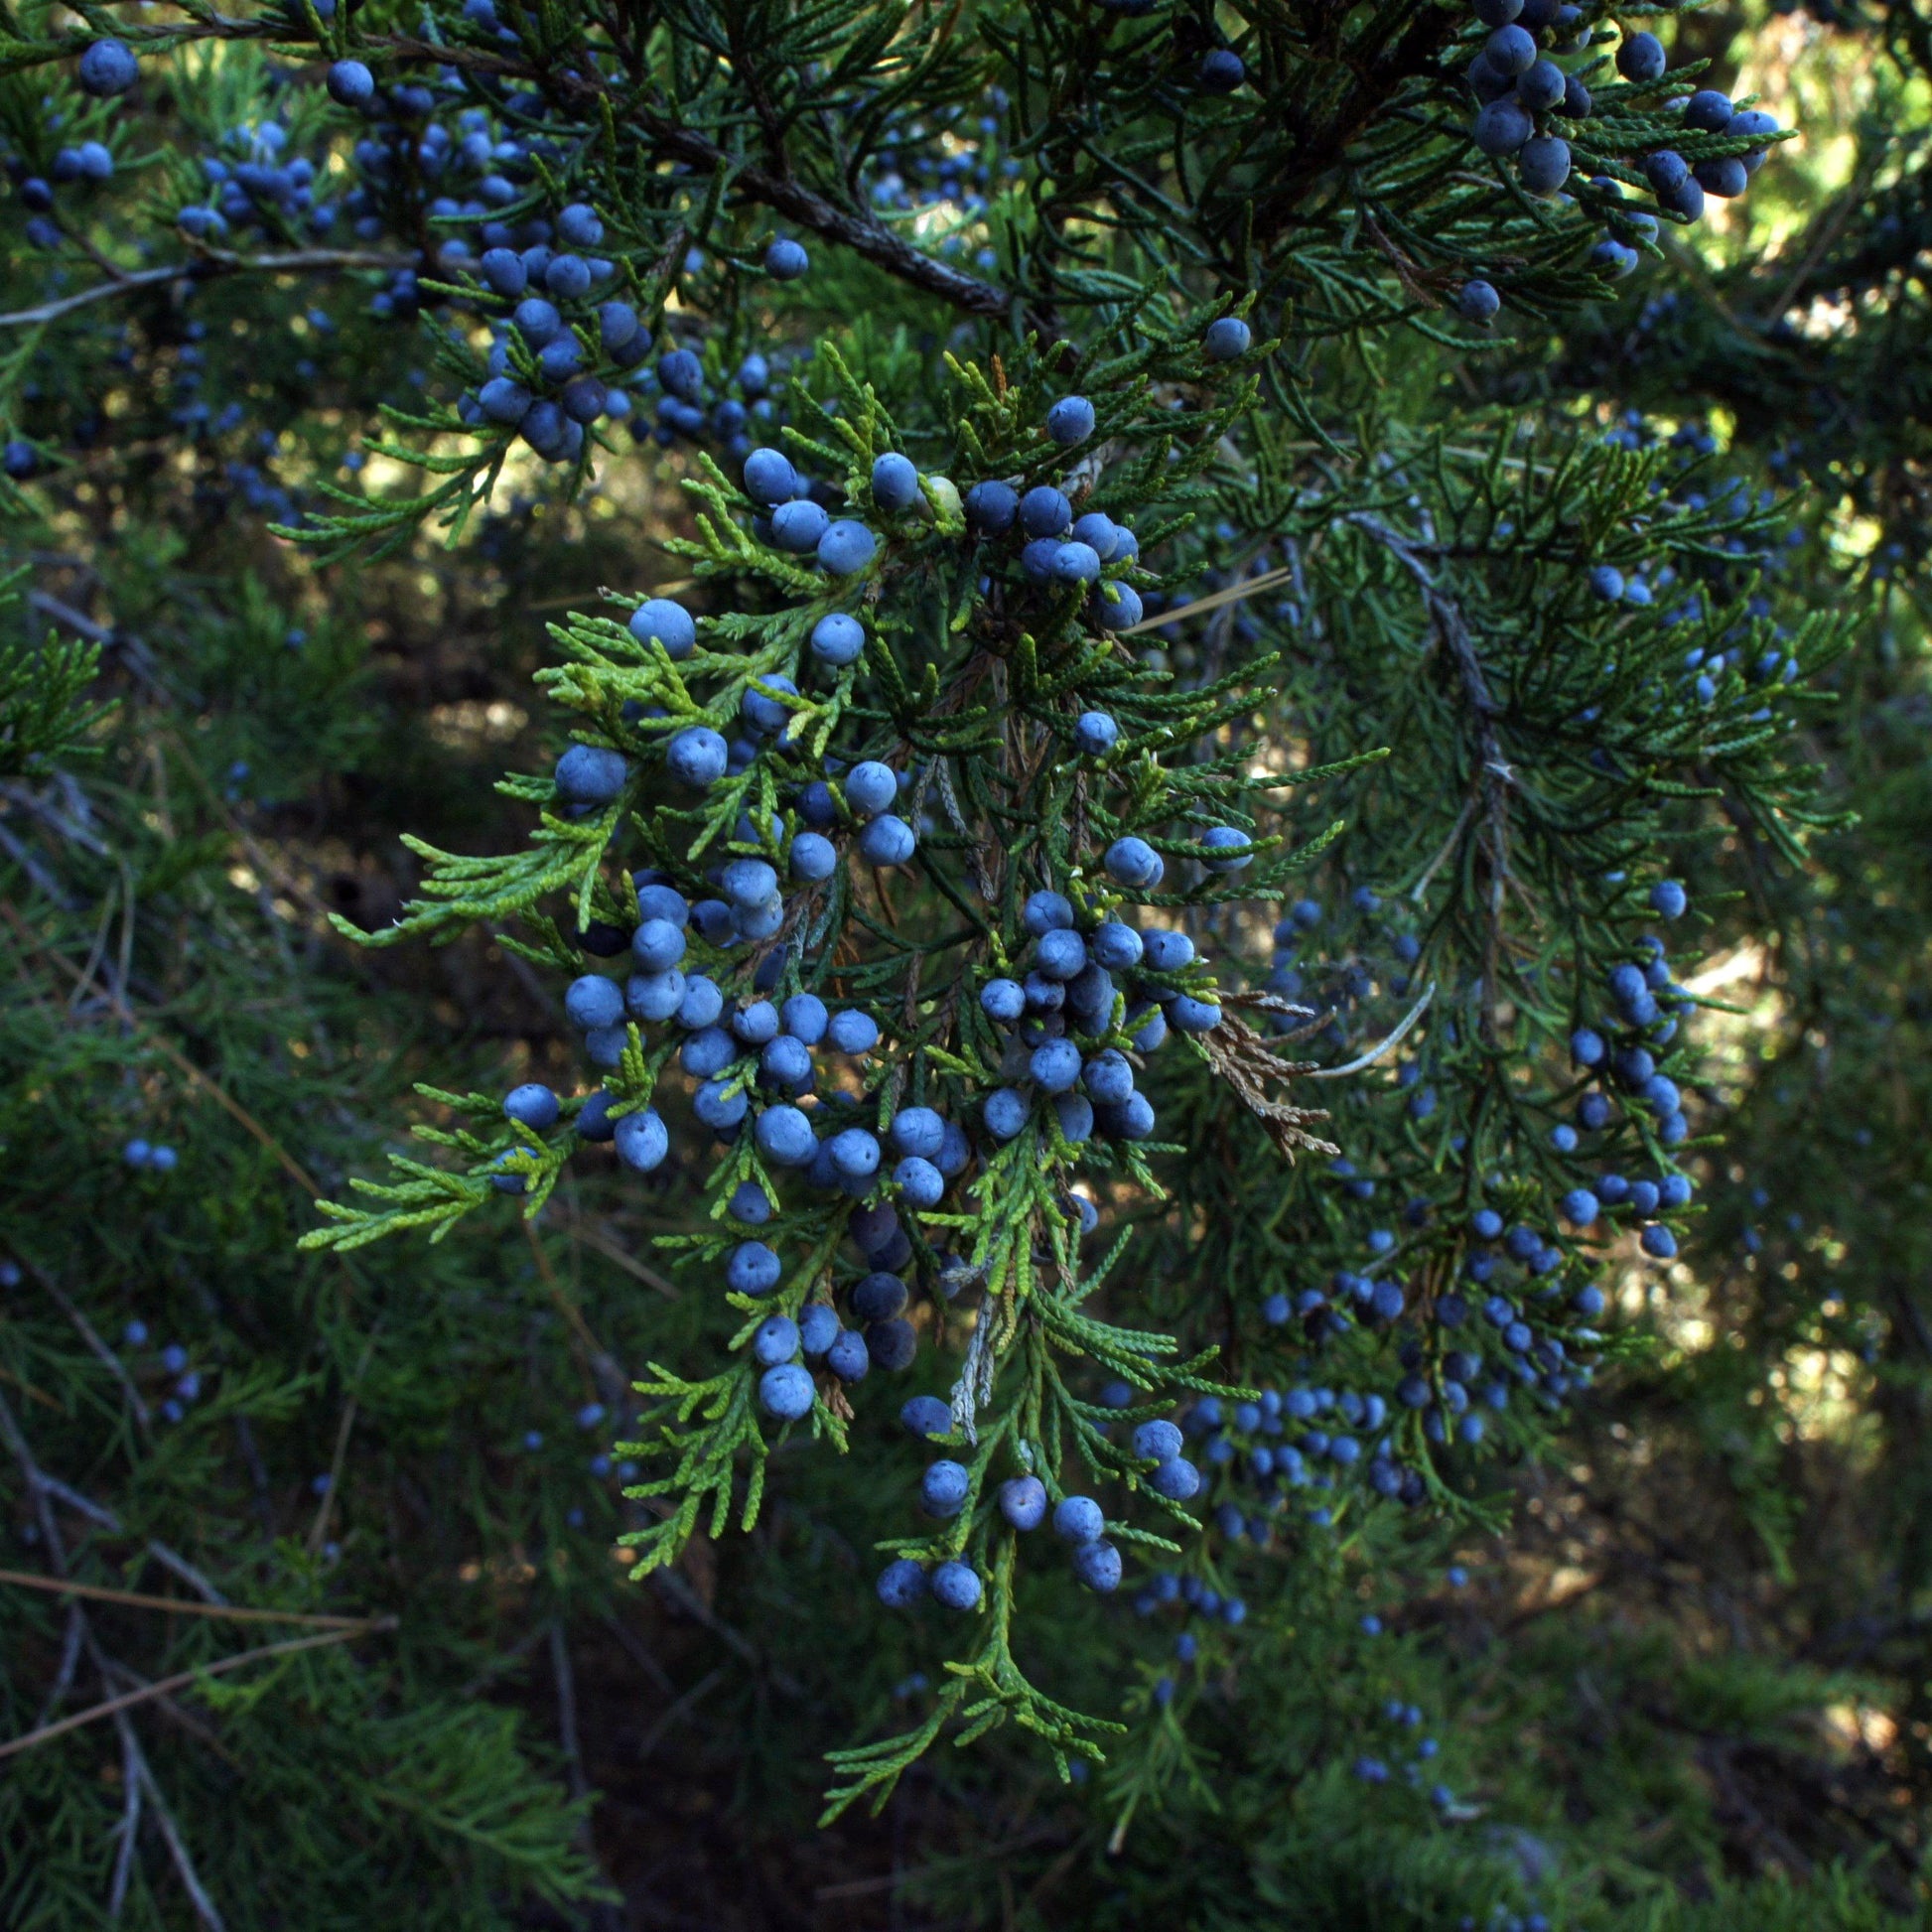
{"x": 1233, "y": 594}
{"x": 50, "y": 816}
{"x": 877, "y": 244}
{"x": 635, "y": 1648}
{"x": 212, "y": 262}
{"x": 1491, "y": 780}
{"x": 87, "y": 1332}
{"x": 182, "y": 1679}
{"x": 107, "y": 635}
{"x": 682, "y": 1708}
{"x": 106, "y": 1519}
{"x": 40, "y": 1487}
{"x": 565, "y": 1680}
{"x": 1384, "y": 1048}
{"x": 170, "y": 1832}
{"x": 688, "y": 1600}
{"x": 976, "y": 854}
{"x": 1434, "y": 865}
{"x": 504, "y": 1660}
{"x": 69, "y": 1658}
{"x": 228, "y": 1612}
{"x": 127, "y": 1833}
{"x": 44, "y": 880}
{"x": 319, "y": 1529}
{"x": 887, "y": 1881}
{"x": 975, "y": 1384}
{"x": 1820, "y": 237}
{"x": 603, "y": 1916}
{"x": 592, "y": 1236}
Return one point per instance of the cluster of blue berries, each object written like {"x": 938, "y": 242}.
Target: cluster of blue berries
{"x": 589, "y": 1417}
{"x": 1058, "y": 550}
{"x": 1397, "y": 1357}
{"x": 150, "y": 1156}
{"x": 1425, "y": 1326}
{"x": 482, "y": 167}
{"x": 1409, "y": 1757}
{"x": 184, "y": 1383}
{"x": 1308, "y": 1438}
{"x": 1523, "y": 91}
{"x": 1192, "y": 1595}
{"x": 714, "y": 953}
{"x": 878, "y": 1337}
{"x": 83, "y": 165}
{"x": 729, "y": 412}
{"x": 1744, "y": 659}
{"x": 1371, "y": 951}
{"x": 1024, "y": 1504}
{"x": 755, "y": 1060}
{"x": 543, "y": 382}
{"x": 256, "y": 190}
{"x": 1526, "y": 96}
{"x": 1619, "y": 1052}
{"x": 1071, "y": 995}
{"x": 717, "y": 954}
{"x": 559, "y": 363}
{"x": 734, "y": 1048}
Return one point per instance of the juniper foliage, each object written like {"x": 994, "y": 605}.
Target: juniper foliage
{"x": 1165, "y": 881}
